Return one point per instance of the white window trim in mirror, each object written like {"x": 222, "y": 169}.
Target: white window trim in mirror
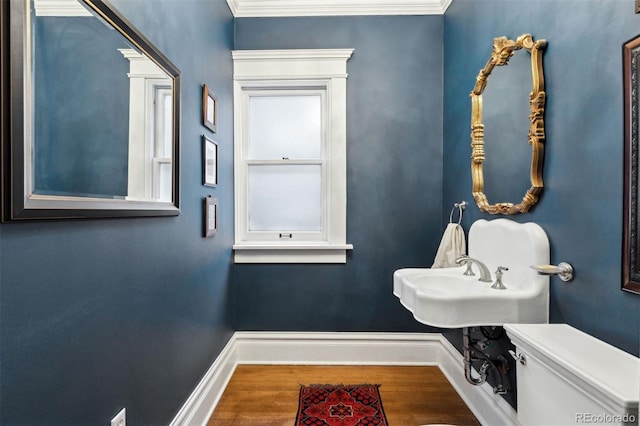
{"x": 290, "y": 72}
{"x": 145, "y": 79}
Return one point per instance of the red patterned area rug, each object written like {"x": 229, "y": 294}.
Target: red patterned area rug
{"x": 332, "y": 405}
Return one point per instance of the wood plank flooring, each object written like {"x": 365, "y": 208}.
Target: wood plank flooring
{"x": 267, "y": 395}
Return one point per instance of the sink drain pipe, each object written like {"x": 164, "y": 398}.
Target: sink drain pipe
{"x": 471, "y": 355}
{"x": 466, "y": 346}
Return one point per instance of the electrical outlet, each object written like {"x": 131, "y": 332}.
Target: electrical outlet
{"x": 120, "y": 419}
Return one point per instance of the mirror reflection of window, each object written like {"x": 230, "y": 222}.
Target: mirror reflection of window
{"x": 150, "y": 130}
{"x": 163, "y": 142}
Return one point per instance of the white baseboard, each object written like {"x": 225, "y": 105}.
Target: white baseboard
{"x": 337, "y": 348}
{"x": 340, "y": 349}
{"x": 204, "y": 398}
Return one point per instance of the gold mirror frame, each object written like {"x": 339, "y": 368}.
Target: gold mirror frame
{"x": 503, "y": 49}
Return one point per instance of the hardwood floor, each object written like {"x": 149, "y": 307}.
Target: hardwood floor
{"x": 267, "y": 395}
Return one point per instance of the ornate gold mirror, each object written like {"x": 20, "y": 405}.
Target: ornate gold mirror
{"x": 503, "y": 50}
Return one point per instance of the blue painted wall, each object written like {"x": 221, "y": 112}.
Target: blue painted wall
{"x": 394, "y": 176}
{"x": 102, "y": 314}
{"x": 581, "y": 207}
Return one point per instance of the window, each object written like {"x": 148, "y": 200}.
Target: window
{"x": 290, "y": 156}
{"x": 150, "y": 130}
{"x": 163, "y": 143}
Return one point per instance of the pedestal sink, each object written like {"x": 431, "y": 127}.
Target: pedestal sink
{"x": 446, "y": 298}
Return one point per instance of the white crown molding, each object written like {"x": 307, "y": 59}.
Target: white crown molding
{"x": 293, "y": 63}
{"x": 290, "y": 348}
{"x": 273, "y": 8}
{"x": 60, "y": 8}
{"x": 233, "y": 5}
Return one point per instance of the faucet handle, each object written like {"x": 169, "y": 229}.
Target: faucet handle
{"x": 498, "y": 285}
{"x": 500, "y": 270}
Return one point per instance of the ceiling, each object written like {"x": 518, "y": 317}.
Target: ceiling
{"x": 268, "y": 8}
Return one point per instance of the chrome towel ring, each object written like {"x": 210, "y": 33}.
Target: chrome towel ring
{"x": 460, "y": 206}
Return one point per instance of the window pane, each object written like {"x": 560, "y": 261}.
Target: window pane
{"x": 285, "y": 198}
{"x": 285, "y": 126}
{"x": 168, "y": 125}
{"x": 164, "y": 181}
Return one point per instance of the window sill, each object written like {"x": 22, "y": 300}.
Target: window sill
{"x": 291, "y": 253}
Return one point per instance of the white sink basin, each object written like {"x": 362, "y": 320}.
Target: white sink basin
{"x": 446, "y": 298}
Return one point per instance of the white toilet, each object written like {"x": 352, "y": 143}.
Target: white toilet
{"x": 567, "y": 377}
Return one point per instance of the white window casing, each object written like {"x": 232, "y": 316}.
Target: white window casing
{"x": 149, "y": 171}
{"x": 277, "y": 77}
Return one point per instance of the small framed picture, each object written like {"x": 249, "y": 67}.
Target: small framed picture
{"x": 210, "y": 216}
{"x": 209, "y": 108}
{"x": 209, "y": 162}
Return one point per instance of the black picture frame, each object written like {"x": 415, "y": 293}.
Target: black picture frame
{"x": 209, "y": 162}
{"x": 209, "y": 109}
{"x": 210, "y": 216}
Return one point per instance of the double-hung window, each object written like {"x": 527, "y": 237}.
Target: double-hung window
{"x": 290, "y": 156}
{"x": 150, "y": 129}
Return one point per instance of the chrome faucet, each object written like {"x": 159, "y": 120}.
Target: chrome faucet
{"x": 485, "y": 275}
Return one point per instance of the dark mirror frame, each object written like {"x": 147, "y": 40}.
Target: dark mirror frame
{"x": 631, "y": 247}
{"x": 17, "y": 205}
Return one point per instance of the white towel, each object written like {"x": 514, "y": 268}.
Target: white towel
{"x": 452, "y": 246}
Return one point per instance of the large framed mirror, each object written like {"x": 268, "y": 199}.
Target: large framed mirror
{"x": 90, "y": 114}
{"x": 503, "y": 50}
{"x": 631, "y": 243}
